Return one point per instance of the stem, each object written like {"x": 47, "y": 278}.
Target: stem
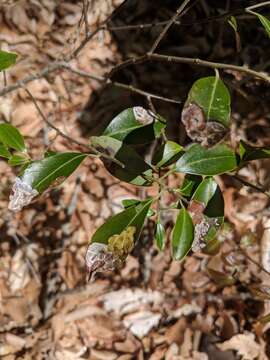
{"x": 246, "y": 183}
{"x": 168, "y": 25}
{"x": 257, "y": 5}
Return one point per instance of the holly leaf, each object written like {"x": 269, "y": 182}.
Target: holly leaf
{"x": 10, "y": 137}
{"x": 167, "y": 154}
{"x": 133, "y": 216}
{"x": 200, "y": 161}
{"x": 135, "y": 126}
{"x": 7, "y": 59}
{"x": 249, "y": 153}
{"x": 213, "y": 97}
{"x": 182, "y": 236}
{"x": 43, "y": 173}
{"x": 135, "y": 170}
{"x": 160, "y": 236}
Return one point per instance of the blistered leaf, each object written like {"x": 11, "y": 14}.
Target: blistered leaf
{"x": 7, "y": 59}
{"x": 135, "y": 170}
{"x": 169, "y": 152}
{"x": 132, "y": 216}
{"x": 22, "y": 195}
{"x": 205, "y": 132}
{"x": 135, "y": 125}
{"x": 182, "y": 236}
{"x": 213, "y": 97}
{"x": 11, "y": 137}
{"x": 200, "y": 161}
{"x": 160, "y": 236}
{"x": 43, "y": 173}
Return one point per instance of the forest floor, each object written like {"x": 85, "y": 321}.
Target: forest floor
{"x": 154, "y": 308}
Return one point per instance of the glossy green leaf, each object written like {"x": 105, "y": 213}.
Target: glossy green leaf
{"x": 7, "y": 59}
{"x": 213, "y": 97}
{"x": 169, "y": 152}
{"x": 135, "y": 126}
{"x": 232, "y": 21}
{"x": 189, "y": 185}
{"x": 4, "y": 152}
{"x": 205, "y": 191}
{"x": 265, "y": 22}
{"x": 215, "y": 206}
{"x": 43, "y": 173}
{"x": 11, "y": 137}
{"x": 19, "y": 159}
{"x": 130, "y": 202}
{"x": 183, "y": 233}
{"x": 135, "y": 171}
{"x": 132, "y": 216}
{"x": 249, "y": 153}
{"x": 200, "y": 161}
{"x": 160, "y": 236}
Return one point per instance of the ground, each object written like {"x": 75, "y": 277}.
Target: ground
{"x": 154, "y": 308}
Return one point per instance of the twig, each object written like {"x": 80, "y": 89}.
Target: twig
{"x": 50, "y": 124}
{"x": 258, "y": 5}
{"x": 190, "y": 61}
{"x": 94, "y": 151}
{"x": 252, "y": 260}
{"x": 168, "y": 25}
{"x": 85, "y": 17}
{"x": 246, "y": 183}
{"x": 118, "y": 84}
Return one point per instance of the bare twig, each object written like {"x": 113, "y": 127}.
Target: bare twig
{"x": 190, "y": 61}
{"x": 252, "y": 260}
{"x": 168, "y": 25}
{"x": 247, "y": 183}
{"x": 94, "y": 151}
{"x": 118, "y": 84}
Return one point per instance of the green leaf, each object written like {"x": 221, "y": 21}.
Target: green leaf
{"x": 136, "y": 171}
{"x": 4, "y": 152}
{"x": 249, "y": 153}
{"x": 130, "y": 202}
{"x": 213, "y": 97}
{"x": 215, "y": 206}
{"x": 189, "y": 185}
{"x": 265, "y": 22}
{"x": 11, "y": 137}
{"x": 135, "y": 125}
{"x": 169, "y": 152}
{"x": 132, "y": 216}
{"x": 160, "y": 236}
{"x": 7, "y": 59}
{"x": 183, "y": 233}
{"x": 200, "y": 161}
{"x": 19, "y": 159}
{"x": 205, "y": 191}
{"x": 41, "y": 174}
{"x": 232, "y": 21}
